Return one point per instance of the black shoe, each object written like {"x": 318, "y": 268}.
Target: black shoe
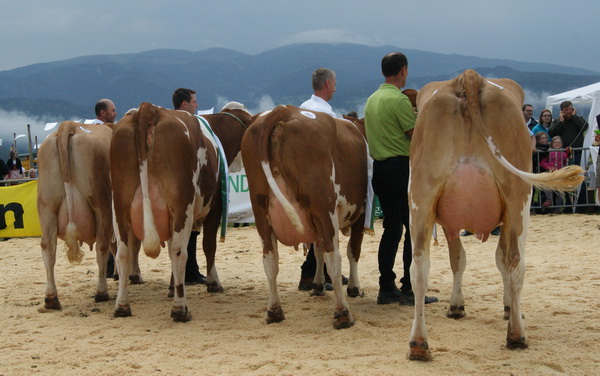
{"x": 408, "y": 299}
{"x": 466, "y": 233}
{"x": 389, "y": 297}
{"x": 195, "y": 279}
{"x": 496, "y": 231}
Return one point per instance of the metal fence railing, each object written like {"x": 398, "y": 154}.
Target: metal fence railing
{"x": 583, "y": 199}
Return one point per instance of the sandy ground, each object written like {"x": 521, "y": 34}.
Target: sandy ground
{"x": 228, "y": 334}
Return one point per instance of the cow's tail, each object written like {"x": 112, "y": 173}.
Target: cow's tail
{"x": 276, "y": 119}
{"x": 63, "y": 138}
{"x": 146, "y": 119}
{"x": 565, "y": 179}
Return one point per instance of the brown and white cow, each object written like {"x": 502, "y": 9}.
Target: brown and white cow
{"x": 166, "y": 181}
{"x": 307, "y": 175}
{"x": 469, "y": 152}
{"x": 74, "y": 199}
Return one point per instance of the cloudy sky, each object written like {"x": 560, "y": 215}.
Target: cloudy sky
{"x": 551, "y": 31}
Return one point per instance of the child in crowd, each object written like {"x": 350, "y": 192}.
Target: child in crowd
{"x": 555, "y": 160}
{"x": 542, "y": 145}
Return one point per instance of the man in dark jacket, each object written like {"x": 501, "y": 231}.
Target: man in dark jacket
{"x": 570, "y": 128}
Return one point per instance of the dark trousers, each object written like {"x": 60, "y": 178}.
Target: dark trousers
{"x": 390, "y": 184}
{"x": 191, "y": 266}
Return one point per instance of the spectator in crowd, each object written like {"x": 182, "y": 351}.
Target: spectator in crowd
{"x": 389, "y": 122}
{"x": 542, "y": 145}
{"x": 106, "y": 112}
{"x": 555, "y": 160}
{"x": 596, "y": 142}
{"x": 324, "y": 86}
{"x": 3, "y": 169}
{"x": 570, "y": 127}
{"x": 185, "y": 100}
{"x": 15, "y": 168}
{"x": 528, "y": 116}
{"x": 544, "y": 123}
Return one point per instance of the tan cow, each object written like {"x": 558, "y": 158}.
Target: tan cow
{"x": 307, "y": 175}
{"x": 166, "y": 181}
{"x": 469, "y": 151}
{"x": 74, "y": 199}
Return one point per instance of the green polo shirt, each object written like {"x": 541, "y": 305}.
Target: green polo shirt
{"x": 388, "y": 116}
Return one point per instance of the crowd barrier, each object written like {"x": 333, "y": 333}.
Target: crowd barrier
{"x": 584, "y": 198}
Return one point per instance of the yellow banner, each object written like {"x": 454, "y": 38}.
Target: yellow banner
{"x": 18, "y": 211}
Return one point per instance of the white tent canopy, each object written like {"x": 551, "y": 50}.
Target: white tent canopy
{"x": 584, "y": 95}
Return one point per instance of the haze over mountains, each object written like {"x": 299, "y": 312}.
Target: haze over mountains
{"x": 68, "y": 89}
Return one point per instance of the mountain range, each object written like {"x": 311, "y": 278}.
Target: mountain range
{"x": 68, "y": 89}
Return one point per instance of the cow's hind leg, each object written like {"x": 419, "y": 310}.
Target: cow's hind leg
{"x": 318, "y": 285}
{"x": 48, "y": 244}
{"x": 458, "y": 262}
{"x": 421, "y": 226}
{"x": 210, "y": 229}
{"x": 123, "y": 261}
{"x": 511, "y": 264}
{"x": 102, "y": 251}
{"x": 353, "y": 252}
{"x": 136, "y": 274}
{"x": 271, "y": 266}
{"x": 342, "y": 318}
{"x": 178, "y": 256}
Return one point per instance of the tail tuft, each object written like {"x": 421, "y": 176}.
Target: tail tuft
{"x": 74, "y": 252}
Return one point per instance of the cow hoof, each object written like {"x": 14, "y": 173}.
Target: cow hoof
{"x": 136, "y": 279}
{"x": 52, "y": 302}
{"x": 354, "y": 292}
{"x": 275, "y": 316}
{"x": 181, "y": 315}
{"x": 101, "y": 297}
{"x": 318, "y": 289}
{"x": 122, "y": 311}
{"x": 214, "y": 288}
{"x": 507, "y": 313}
{"x": 343, "y": 320}
{"x": 519, "y": 343}
{"x": 419, "y": 351}
{"x": 456, "y": 312}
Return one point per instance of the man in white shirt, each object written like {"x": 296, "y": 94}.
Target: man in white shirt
{"x": 323, "y": 83}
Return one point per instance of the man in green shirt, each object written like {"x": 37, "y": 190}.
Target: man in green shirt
{"x": 389, "y": 123}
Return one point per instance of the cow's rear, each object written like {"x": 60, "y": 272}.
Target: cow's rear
{"x": 470, "y": 157}
{"x": 74, "y": 199}
{"x": 164, "y": 175}
{"x": 307, "y": 178}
